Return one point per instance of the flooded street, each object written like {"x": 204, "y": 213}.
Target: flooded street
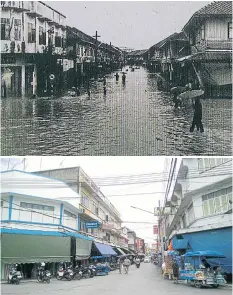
{"x": 135, "y": 119}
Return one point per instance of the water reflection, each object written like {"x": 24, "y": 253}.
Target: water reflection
{"x": 132, "y": 119}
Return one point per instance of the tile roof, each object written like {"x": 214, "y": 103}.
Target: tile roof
{"x": 217, "y": 8}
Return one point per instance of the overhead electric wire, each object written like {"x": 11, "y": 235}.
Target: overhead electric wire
{"x": 136, "y": 182}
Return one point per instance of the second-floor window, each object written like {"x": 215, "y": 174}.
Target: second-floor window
{"x": 230, "y": 30}
{"x": 85, "y": 201}
{"x": 209, "y": 163}
{"x": 31, "y": 33}
{"x": 58, "y": 42}
{"x": 17, "y": 29}
{"x": 5, "y": 29}
{"x": 69, "y": 214}
{"x": 95, "y": 209}
{"x": 42, "y": 36}
{"x": 217, "y": 202}
{"x": 203, "y": 32}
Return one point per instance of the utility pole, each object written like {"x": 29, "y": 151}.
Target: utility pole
{"x": 96, "y": 50}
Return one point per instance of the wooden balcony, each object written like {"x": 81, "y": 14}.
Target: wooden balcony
{"x": 17, "y": 6}
{"x": 212, "y": 44}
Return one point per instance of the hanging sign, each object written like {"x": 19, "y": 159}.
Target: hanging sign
{"x": 92, "y": 224}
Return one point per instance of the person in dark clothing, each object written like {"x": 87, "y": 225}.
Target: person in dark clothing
{"x": 205, "y": 263}
{"x": 197, "y": 117}
{"x": 105, "y": 90}
{"x": 123, "y": 78}
{"x": 77, "y": 91}
{"x": 117, "y": 77}
{"x": 175, "y": 270}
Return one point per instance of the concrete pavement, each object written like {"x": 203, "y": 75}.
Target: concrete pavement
{"x": 147, "y": 280}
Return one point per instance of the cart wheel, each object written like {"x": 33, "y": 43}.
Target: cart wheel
{"x": 198, "y": 284}
{"x": 215, "y": 286}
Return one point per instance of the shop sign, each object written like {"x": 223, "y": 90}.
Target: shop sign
{"x": 92, "y": 224}
{"x": 155, "y": 229}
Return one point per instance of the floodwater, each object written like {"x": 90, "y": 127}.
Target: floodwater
{"x": 135, "y": 119}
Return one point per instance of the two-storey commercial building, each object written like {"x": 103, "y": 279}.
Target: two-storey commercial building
{"x": 209, "y": 31}
{"x": 199, "y": 207}
{"x": 39, "y": 223}
{"x": 33, "y": 37}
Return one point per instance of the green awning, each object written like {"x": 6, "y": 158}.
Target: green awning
{"x": 23, "y": 248}
{"x": 83, "y": 249}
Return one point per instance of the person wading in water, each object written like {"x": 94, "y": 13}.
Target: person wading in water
{"x": 197, "y": 117}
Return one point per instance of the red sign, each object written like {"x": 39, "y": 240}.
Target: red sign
{"x": 155, "y": 229}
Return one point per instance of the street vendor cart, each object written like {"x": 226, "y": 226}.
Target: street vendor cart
{"x": 196, "y": 273}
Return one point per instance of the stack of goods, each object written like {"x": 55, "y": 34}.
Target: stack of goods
{"x": 168, "y": 265}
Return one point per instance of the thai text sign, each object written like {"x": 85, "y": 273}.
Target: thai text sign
{"x": 155, "y": 229}
{"x": 93, "y": 224}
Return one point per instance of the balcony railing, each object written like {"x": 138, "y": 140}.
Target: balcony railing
{"x": 212, "y": 44}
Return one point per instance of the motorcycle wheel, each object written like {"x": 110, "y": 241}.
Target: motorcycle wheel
{"x": 38, "y": 279}
{"x": 17, "y": 282}
{"x": 58, "y": 277}
{"x": 215, "y": 286}
{"x": 48, "y": 280}
{"x": 69, "y": 277}
{"x": 77, "y": 276}
{"x": 87, "y": 275}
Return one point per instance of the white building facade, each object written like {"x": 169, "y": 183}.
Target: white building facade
{"x": 30, "y": 31}
{"x": 199, "y": 207}
{"x": 37, "y": 224}
{"x": 93, "y": 204}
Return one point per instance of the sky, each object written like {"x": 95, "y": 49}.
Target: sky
{"x": 132, "y": 24}
{"x": 112, "y": 166}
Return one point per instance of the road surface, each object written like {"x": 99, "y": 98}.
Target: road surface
{"x": 146, "y": 280}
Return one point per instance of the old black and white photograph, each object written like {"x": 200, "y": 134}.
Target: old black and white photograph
{"x": 116, "y": 78}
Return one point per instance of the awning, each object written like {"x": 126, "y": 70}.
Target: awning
{"x": 207, "y": 56}
{"x": 105, "y": 250}
{"x": 31, "y": 248}
{"x": 121, "y": 251}
{"x": 127, "y": 251}
{"x": 83, "y": 249}
{"x": 181, "y": 244}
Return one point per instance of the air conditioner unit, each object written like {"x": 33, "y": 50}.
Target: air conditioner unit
{"x": 83, "y": 210}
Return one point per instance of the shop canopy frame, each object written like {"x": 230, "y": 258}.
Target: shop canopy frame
{"x": 34, "y": 246}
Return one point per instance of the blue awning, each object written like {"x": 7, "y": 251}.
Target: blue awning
{"x": 105, "y": 250}
{"x": 181, "y": 244}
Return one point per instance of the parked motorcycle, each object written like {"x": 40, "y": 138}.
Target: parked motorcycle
{"x": 44, "y": 276}
{"x": 86, "y": 272}
{"x": 93, "y": 270}
{"x": 14, "y": 276}
{"x": 67, "y": 274}
{"x": 77, "y": 273}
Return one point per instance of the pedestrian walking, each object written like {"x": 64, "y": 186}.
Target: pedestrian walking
{"x": 119, "y": 262}
{"x": 126, "y": 265}
{"x": 117, "y": 77}
{"x": 123, "y": 78}
{"x": 175, "y": 270}
{"x": 197, "y": 117}
{"x": 105, "y": 90}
